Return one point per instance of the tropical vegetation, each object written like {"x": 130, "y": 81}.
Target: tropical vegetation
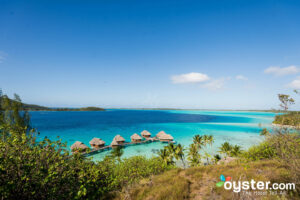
{"x": 36, "y": 168}
{"x": 32, "y": 168}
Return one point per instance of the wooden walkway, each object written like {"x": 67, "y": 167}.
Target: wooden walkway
{"x": 101, "y": 149}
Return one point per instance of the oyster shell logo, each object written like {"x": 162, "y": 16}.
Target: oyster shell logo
{"x": 223, "y": 180}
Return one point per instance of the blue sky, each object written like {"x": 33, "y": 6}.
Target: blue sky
{"x": 181, "y": 54}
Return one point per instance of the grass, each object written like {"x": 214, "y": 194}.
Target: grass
{"x": 200, "y": 182}
{"x": 168, "y": 186}
{"x": 275, "y": 160}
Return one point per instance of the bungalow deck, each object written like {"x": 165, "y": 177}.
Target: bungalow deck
{"x": 108, "y": 147}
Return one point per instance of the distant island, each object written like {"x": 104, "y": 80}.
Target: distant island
{"x": 32, "y": 107}
{"x": 199, "y": 109}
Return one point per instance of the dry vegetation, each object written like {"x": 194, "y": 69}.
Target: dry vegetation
{"x": 200, "y": 182}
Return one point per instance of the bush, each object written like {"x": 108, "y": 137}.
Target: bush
{"x": 31, "y": 169}
{"x": 262, "y": 151}
{"x": 131, "y": 169}
{"x": 45, "y": 170}
{"x": 284, "y": 146}
{"x": 291, "y": 118}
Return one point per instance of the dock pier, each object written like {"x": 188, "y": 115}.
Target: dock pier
{"x": 98, "y": 145}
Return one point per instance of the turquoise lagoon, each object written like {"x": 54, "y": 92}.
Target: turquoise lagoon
{"x": 236, "y": 127}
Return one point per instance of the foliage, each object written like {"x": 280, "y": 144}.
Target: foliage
{"x": 200, "y": 143}
{"x": 117, "y": 153}
{"x": 236, "y": 150}
{"x": 291, "y": 118}
{"x": 169, "y": 186}
{"x": 32, "y": 107}
{"x": 268, "y": 148}
{"x": 165, "y": 156}
{"x": 44, "y": 169}
{"x": 229, "y": 150}
{"x": 285, "y": 101}
{"x": 11, "y": 117}
{"x": 217, "y": 157}
{"x": 225, "y": 149}
{"x": 179, "y": 153}
{"x": 199, "y": 182}
{"x": 171, "y": 152}
{"x": 194, "y": 157}
{"x": 264, "y": 132}
{"x": 131, "y": 169}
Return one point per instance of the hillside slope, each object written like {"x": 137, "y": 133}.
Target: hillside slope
{"x": 200, "y": 182}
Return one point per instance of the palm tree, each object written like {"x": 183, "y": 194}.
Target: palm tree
{"x": 198, "y": 140}
{"x": 236, "y": 150}
{"x": 207, "y": 156}
{"x": 179, "y": 153}
{"x": 171, "y": 148}
{"x": 117, "y": 153}
{"x": 206, "y": 140}
{"x": 225, "y": 149}
{"x": 264, "y": 132}
{"x": 211, "y": 140}
{"x": 193, "y": 155}
{"x": 164, "y": 155}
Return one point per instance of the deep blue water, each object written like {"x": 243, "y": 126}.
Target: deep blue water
{"x": 237, "y": 127}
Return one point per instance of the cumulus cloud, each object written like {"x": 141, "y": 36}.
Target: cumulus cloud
{"x": 282, "y": 71}
{"x": 215, "y": 84}
{"x": 241, "y": 77}
{"x": 192, "y": 77}
{"x": 295, "y": 84}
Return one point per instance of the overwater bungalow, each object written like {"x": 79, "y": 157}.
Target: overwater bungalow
{"x": 79, "y": 147}
{"x": 160, "y": 134}
{"x": 114, "y": 144}
{"x": 146, "y": 134}
{"x": 166, "y": 138}
{"x": 136, "y": 138}
{"x": 118, "y": 140}
{"x": 97, "y": 143}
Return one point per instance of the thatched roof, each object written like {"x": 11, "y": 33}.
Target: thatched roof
{"x": 166, "y": 137}
{"x": 114, "y": 143}
{"x": 97, "y": 141}
{"x": 135, "y": 137}
{"x": 78, "y": 145}
{"x": 160, "y": 133}
{"x": 119, "y": 138}
{"x": 145, "y": 133}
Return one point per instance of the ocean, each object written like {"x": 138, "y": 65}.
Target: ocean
{"x": 236, "y": 127}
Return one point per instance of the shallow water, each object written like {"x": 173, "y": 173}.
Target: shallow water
{"x": 236, "y": 127}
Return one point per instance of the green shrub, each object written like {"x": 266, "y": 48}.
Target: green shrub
{"x": 44, "y": 170}
{"x": 31, "y": 169}
{"x": 131, "y": 169}
{"x": 291, "y": 118}
{"x": 261, "y": 151}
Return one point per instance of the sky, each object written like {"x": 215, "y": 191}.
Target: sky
{"x": 211, "y": 54}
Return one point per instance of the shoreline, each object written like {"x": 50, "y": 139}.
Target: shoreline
{"x": 285, "y": 126}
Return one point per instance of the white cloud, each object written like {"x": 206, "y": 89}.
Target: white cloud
{"x": 241, "y": 77}
{"x": 192, "y": 77}
{"x": 278, "y": 71}
{"x": 215, "y": 84}
{"x": 295, "y": 84}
